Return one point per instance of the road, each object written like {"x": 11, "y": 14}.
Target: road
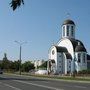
{"x": 13, "y": 82}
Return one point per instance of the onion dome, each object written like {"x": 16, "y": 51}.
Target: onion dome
{"x": 68, "y": 21}
{"x": 80, "y": 48}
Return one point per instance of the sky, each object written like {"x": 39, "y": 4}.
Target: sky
{"x": 38, "y": 23}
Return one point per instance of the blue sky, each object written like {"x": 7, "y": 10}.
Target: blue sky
{"x": 39, "y": 22}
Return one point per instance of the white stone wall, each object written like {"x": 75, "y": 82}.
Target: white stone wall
{"x": 53, "y": 57}
{"x": 81, "y": 65}
{"x": 67, "y": 43}
{"x": 60, "y": 62}
{"x": 68, "y": 65}
{"x": 53, "y": 67}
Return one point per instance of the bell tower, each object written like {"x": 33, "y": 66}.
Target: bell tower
{"x": 68, "y": 29}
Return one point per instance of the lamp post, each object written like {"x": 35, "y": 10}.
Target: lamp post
{"x": 20, "y": 60}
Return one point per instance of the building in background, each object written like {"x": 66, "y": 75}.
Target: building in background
{"x": 38, "y": 63}
{"x": 69, "y": 54}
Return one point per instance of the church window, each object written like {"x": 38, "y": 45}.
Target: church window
{"x": 59, "y": 66}
{"x": 79, "y": 57}
{"x": 72, "y": 30}
{"x": 67, "y": 30}
{"x": 63, "y": 30}
{"x": 59, "y": 55}
{"x": 59, "y": 61}
{"x": 84, "y": 58}
{"x": 53, "y": 52}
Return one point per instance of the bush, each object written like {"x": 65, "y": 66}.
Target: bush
{"x": 84, "y": 71}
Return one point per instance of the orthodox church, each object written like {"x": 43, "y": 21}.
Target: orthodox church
{"x": 69, "y": 54}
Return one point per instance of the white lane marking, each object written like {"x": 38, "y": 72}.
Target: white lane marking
{"x": 80, "y": 86}
{"x": 75, "y": 86}
{"x": 12, "y": 87}
{"x": 45, "y": 82}
{"x": 53, "y": 88}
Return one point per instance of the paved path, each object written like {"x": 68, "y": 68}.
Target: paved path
{"x": 11, "y": 82}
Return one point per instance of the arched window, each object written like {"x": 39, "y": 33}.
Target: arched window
{"x": 63, "y": 30}
{"x": 72, "y": 29}
{"x": 67, "y": 30}
{"x": 84, "y": 57}
{"x": 79, "y": 57}
{"x": 53, "y": 52}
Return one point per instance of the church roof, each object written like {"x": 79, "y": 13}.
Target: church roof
{"x": 61, "y": 49}
{"x": 68, "y": 56}
{"x": 75, "y": 44}
{"x": 80, "y": 48}
{"x": 68, "y": 21}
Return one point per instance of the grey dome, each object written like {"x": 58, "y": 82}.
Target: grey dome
{"x": 80, "y": 48}
{"x": 68, "y": 21}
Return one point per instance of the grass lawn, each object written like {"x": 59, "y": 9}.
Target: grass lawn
{"x": 59, "y": 77}
{"x": 77, "y": 78}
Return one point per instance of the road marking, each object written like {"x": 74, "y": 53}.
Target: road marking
{"x": 76, "y": 86}
{"x": 45, "y": 82}
{"x": 12, "y": 87}
{"x": 53, "y": 88}
{"x": 80, "y": 86}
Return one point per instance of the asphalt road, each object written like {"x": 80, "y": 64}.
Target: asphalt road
{"x": 11, "y": 82}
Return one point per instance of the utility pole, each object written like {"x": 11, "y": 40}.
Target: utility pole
{"x": 20, "y": 54}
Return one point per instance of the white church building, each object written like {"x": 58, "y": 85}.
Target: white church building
{"x": 69, "y": 54}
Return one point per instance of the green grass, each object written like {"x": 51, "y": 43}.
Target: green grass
{"x": 68, "y": 78}
{"x": 61, "y": 77}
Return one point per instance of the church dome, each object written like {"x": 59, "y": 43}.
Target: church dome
{"x": 68, "y": 21}
{"x": 80, "y": 48}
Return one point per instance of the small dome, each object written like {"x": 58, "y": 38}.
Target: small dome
{"x": 80, "y": 48}
{"x": 68, "y": 21}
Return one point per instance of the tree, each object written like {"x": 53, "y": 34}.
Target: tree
{"x": 5, "y": 62}
{"x": 16, "y": 3}
{"x": 1, "y": 66}
{"x": 27, "y": 66}
{"x": 15, "y": 65}
{"x": 8, "y": 65}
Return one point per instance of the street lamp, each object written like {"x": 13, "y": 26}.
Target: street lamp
{"x": 20, "y": 60}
